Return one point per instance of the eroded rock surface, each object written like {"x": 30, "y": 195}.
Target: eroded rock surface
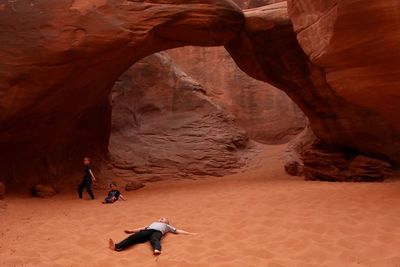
{"x": 255, "y": 3}
{"x": 43, "y": 191}
{"x": 60, "y": 60}
{"x": 358, "y": 54}
{"x": 337, "y": 60}
{"x": 339, "y": 64}
{"x": 131, "y": 186}
{"x": 266, "y": 113}
{"x": 2, "y": 190}
{"x": 164, "y": 126}
{"x": 307, "y": 155}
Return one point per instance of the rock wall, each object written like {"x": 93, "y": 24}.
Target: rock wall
{"x": 255, "y": 3}
{"x": 339, "y": 70}
{"x": 159, "y": 142}
{"x": 307, "y": 156}
{"x": 355, "y": 47}
{"x": 337, "y": 60}
{"x": 265, "y": 112}
{"x": 60, "y": 60}
{"x": 165, "y": 127}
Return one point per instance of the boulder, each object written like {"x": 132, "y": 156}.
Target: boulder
{"x": 2, "y": 190}
{"x": 308, "y": 156}
{"x": 3, "y": 205}
{"x": 131, "y": 186}
{"x": 292, "y": 156}
{"x": 43, "y": 191}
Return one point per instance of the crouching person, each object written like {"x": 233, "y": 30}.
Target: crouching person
{"x": 113, "y": 195}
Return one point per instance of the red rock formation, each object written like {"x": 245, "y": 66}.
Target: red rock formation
{"x": 164, "y": 126}
{"x": 255, "y": 3}
{"x": 355, "y": 46}
{"x": 2, "y": 190}
{"x": 133, "y": 185}
{"x": 342, "y": 73}
{"x": 60, "y": 60}
{"x": 266, "y": 113}
{"x": 43, "y": 191}
{"x": 307, "y": 156}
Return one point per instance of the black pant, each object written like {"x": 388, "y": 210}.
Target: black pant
{"x": 143, "y": 236}
{"x": 86, "y": 183}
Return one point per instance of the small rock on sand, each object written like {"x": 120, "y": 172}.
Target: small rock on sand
{"x": 131, "y": 186}
{"x": 3, "y": 205}
{"x": 2, "y": 190}
{"x": 43, "y": 191}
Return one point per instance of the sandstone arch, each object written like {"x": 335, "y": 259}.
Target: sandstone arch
{"x": 60, "y": 59}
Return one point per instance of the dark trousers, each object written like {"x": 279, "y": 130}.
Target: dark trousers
{"x": 86, "y": 183}
{"x": 143, "y": 236}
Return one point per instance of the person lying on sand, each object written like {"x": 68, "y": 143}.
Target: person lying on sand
{"x": 153, "y": 233}
{"x": 113, "y": 195}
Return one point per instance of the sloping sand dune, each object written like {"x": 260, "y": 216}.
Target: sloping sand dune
{"x": 260, "y": 217}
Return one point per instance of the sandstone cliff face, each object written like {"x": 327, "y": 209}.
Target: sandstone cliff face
{"x": 255, "y": 3}
{"x": 337, "y": 60}
{"x": 165, "y": 127}
{"x": 355, "y": 46}
{"x": 339, "y": 70}
{"x": 60, "y": 60}
{"x": 159, "y": 142}
{"x": 308, "y": 156}
{"x": 265, "y": 112}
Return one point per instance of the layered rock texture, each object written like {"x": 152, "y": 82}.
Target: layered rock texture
{"x": 266, "y": 113}
{"x": 308, "y": 156}
{"x": 245, "y": 4}
{"x": 357, "y": 54}
{"x": 43, "y": 191}
{"x": 338, "y": 64}
{"x": 60, "y": 60}
{"x": 2, "y": 190}
{"x": 165, "y": 127}
{"x": 337, "y": 60}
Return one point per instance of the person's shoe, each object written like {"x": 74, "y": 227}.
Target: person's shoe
{"x": 156, "y": 252}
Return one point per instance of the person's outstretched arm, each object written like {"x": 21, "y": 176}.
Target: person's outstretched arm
{"x": 181, "y": 232}
{"x": 122, "y": 197}
{"x": 135, "y": 230}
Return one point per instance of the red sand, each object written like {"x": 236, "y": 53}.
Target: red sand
{"x": 260, "y": 217}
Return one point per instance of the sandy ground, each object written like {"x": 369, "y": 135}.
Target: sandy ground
{"x": 256, "y": 218}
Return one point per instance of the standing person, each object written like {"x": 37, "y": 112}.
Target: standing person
{"x": 113, "y": 194}
{"x": 87, "y": 180}
{"x": 153, "y": 233}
